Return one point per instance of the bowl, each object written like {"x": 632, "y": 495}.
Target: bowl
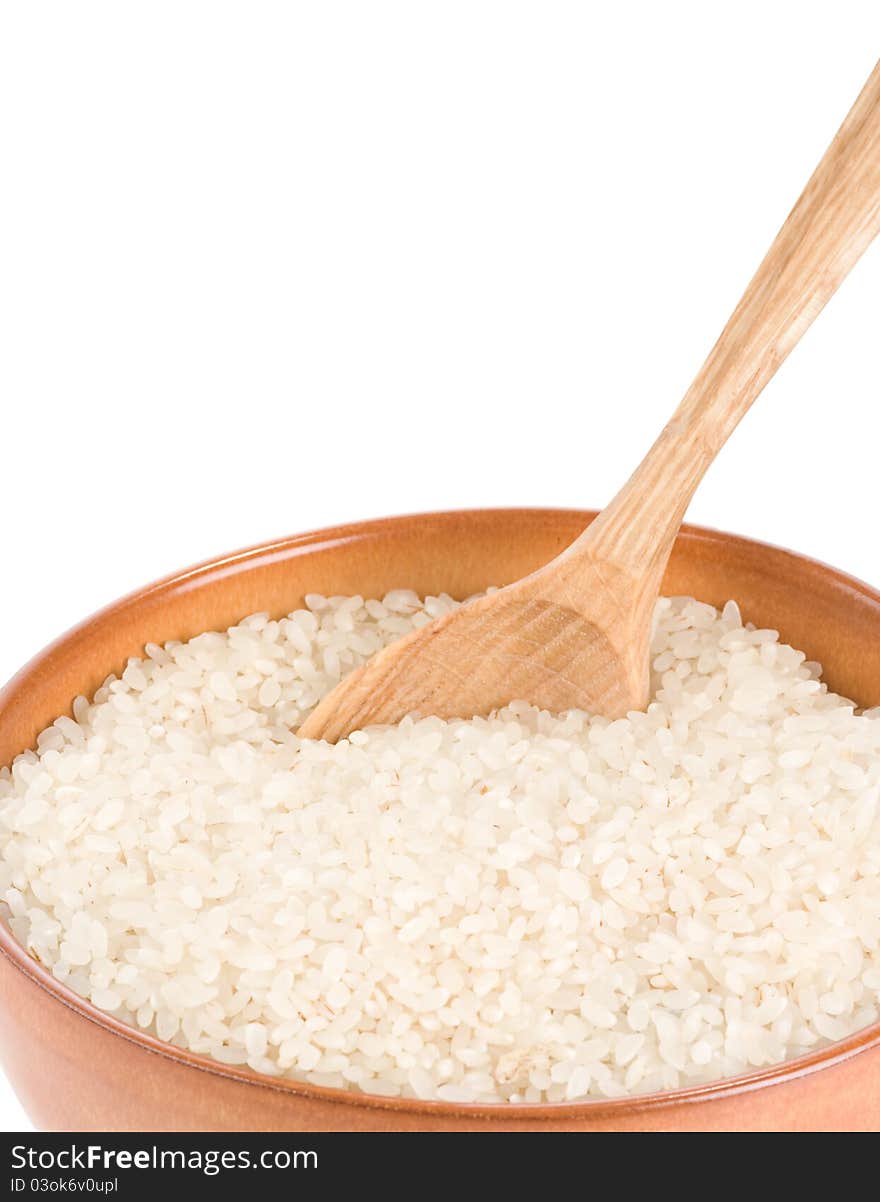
{"x": 76, "y": 1068}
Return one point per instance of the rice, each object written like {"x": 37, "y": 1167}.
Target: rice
{"x": 522, "y": 908}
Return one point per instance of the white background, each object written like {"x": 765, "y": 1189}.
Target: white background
{"x": 271, "y": 266}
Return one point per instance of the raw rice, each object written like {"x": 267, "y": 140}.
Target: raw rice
{"x": 523, "y": 908}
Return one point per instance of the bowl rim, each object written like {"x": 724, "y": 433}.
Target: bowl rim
{"x": 201, "y": 574}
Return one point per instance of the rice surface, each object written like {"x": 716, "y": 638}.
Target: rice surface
{"x": 527, "y": 907}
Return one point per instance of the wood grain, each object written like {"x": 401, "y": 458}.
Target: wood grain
{"x": 576, "y": 633}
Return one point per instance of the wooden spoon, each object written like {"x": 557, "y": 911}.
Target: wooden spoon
{"x": 576, "y": 633}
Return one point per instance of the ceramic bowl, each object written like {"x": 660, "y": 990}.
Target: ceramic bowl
{"x": 76, "y": 1068}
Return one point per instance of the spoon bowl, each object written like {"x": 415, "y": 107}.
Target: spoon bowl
{"x": 522, "y": 641}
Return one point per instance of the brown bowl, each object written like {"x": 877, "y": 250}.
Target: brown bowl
{"x": 76, "y": 1068}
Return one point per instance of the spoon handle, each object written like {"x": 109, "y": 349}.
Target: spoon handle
{"x": 834, "y": 220}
